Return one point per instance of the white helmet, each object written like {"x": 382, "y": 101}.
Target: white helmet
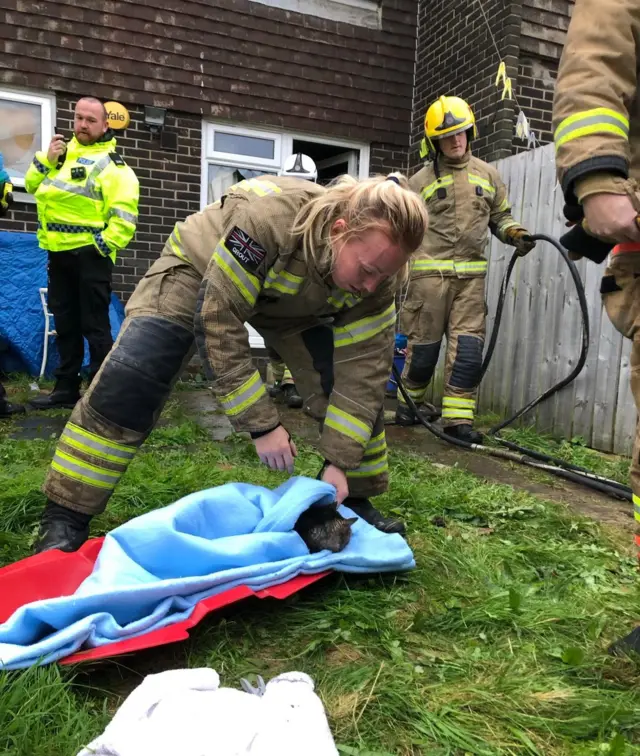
{"x": 299, "y": 166}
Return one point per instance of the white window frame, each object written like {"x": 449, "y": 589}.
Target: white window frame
{"x": 47, "y": 102}
{"x": 250, "y": 160}
{"x": 367, "y": 13}
{"x": 283, "y": 148}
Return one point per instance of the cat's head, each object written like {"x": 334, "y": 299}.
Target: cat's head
{"x": 334, "y": 534}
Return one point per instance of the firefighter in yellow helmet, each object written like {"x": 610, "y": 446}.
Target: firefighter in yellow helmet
{"x": 465, "y": 198}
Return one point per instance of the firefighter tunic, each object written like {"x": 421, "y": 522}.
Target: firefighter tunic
{"x": 237, "y": 262}
{"x": 446, "y": 290}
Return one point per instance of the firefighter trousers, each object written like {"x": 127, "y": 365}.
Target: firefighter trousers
{"x": 620, "y": 289}
{"x": 124, "y": 402}
{"x": 438, "y": 306}
{"x": 277, "y": 371}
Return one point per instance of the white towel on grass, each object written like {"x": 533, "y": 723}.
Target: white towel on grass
{"x": 186, "y": 712}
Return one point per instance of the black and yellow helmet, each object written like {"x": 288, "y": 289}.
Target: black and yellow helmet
{"x": 448, "y": 116}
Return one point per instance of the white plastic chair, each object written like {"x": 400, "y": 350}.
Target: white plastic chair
{"x": 47, "y": 331}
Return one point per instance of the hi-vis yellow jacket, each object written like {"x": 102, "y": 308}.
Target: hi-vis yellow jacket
{"x": 255, "y": 271}
{"x": 91, "y": 200}
{"x": 595, "y": 110}
{"x": 467, "y": 200}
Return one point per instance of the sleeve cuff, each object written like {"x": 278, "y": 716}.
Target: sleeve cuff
{"x": 260, "y": 434}
{"x": 42, "y": 158}
{"x": 610, "y": 165}
{"x": 599, "y": 183}
{"x": 259, "y": 420}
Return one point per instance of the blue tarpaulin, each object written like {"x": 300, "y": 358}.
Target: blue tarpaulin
{"x": 24, "y": 271}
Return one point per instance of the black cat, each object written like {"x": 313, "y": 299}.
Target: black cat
{"x": 323, "y": 527}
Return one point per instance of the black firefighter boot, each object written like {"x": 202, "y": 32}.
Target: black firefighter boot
{"x": 365, "y": 509}
{"x": 628, "y": 645}
{"x": 61, "y": 528}
{"x": 291, "y": 396}
{"x": 8, "y": 410}
{"x": 405, "y": 416}
{"x": 65, "y": 395}
{"x": 464, "y": 432}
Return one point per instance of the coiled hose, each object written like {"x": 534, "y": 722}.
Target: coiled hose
{"x": 514, "y": 452}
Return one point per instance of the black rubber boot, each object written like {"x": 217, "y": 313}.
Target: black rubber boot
{"x": 365, "y": 509}
{"x": 61, "y": 528}
{"x": 628, "y": 645}
{"x": 65, "y": 395}
{"x": 405, "y": 416}
{"x": 275, "y": 391}
{"x": 291, "y": 396}
{"x": 464, "y": 432}
{"x": 9, "y": 410}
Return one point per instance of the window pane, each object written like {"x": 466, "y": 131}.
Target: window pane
{"x": 20, "y": 135}
{"x": 221, "y": 177}
{"x": 236, "y": 144}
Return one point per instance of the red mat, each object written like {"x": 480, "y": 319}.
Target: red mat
{"x": 55, "y": 574}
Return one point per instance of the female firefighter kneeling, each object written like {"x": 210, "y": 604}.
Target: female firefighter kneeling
{"x": 315, "y": 271}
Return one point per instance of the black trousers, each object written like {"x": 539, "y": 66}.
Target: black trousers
{"x": 79, "y": 296}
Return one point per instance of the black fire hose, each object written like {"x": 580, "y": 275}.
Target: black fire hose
{"x": 603, "y": 485}
{"x": 585, "y": 330}
{"x": 514, "y": 452}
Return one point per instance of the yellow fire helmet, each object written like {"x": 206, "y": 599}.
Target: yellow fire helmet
{"x": 448, "y": 116}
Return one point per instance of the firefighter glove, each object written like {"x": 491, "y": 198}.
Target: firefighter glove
{"x": 521, "y": 240}
{"x": 581, "y": 244}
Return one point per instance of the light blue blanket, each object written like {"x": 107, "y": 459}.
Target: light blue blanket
{"x": 153, "y": 570}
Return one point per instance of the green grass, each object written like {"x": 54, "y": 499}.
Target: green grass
{"x": 608, "y": 465}
{"x": 495, "y": 644}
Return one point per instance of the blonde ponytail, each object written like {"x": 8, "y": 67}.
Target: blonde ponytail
{"x": 384, "y": 203}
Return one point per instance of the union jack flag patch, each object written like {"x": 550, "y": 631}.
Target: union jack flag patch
{"x": 246, "y": 250}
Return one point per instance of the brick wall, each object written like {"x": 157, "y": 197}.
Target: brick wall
{"x": 534, "y": 90}
{"x": 169, "y": 187}
{"x": 386, "y": 158}
{"x": 455, "y": 56}
{"x": 224, "y": 59}
{"x": 542, "y": 35}
{"x": 235, "y": 60}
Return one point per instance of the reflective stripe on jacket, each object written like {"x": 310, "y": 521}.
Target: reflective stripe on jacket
{"x": 255, "y": 271}
{"x": 595, "y": 109}
{"x": 465, "y": 201}
{"x": 91, "y": 199}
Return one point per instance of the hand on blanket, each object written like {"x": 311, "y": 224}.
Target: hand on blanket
{"x": 337, "y": 478}
{"x": 277, "y": 450}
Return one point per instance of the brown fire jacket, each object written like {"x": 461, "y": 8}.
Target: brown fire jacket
{"x": 595, "y": 111}
{"x": 254, "y": 271}
{"x": 467, "y": 198}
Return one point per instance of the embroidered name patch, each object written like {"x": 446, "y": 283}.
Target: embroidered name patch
{"x": 246, "y": 250}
